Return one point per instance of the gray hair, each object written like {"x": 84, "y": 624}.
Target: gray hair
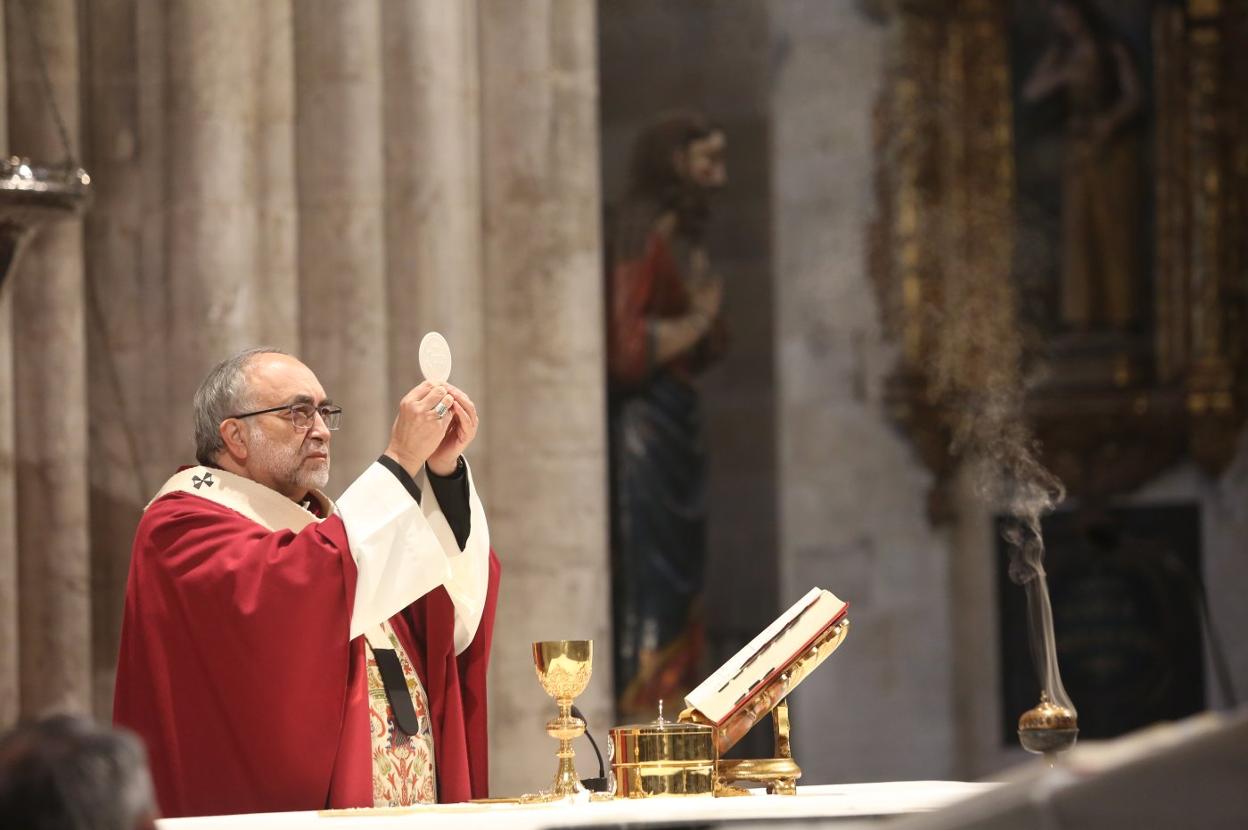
{"x": 67, "y": 772}
{"x": 222, "y": 394}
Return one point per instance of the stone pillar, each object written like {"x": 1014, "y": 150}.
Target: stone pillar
{"x": 118, "y": 293}
{"x": 277, "y": 252}
{"x": 433, "y": 193}
{"x": 210, "y": 191}
{"x": 852, "y": 504}
{"x": 9, "y": 640}
{"x": 341, "y": 190}
{"x": 191, "y": 204}
{"x": 167, "y": 419}
{"x": 545, "y": 366}
{"x": 50, "y": 387}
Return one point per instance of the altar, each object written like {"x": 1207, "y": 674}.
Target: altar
{"x": 1187, "y": 773}
{"x": 847, "y": 805}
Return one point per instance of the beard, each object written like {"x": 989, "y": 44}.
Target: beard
{"x": 288, "y": 465}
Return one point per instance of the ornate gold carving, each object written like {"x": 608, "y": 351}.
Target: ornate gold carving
{"x": 942, "y": 244}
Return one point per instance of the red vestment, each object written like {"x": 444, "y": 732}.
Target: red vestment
{"x": 236, "y": 669}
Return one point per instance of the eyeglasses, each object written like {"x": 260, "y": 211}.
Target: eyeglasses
{"x": 303, "y": 414}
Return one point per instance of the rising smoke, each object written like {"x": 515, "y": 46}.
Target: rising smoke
{"x": 994, "y": 439}
{"x": 976, "y": 371}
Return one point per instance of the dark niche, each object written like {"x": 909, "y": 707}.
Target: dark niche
{"x": 1126, "y": 586}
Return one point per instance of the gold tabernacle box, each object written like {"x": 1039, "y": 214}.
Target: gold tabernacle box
{"x": 663, "y": 759}
{"x": 660, "y": 759}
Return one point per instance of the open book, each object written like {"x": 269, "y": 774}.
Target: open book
{"x": 767, "y": 655}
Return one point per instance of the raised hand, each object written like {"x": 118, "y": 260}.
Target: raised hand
{"x": 418, "y": 429}
{"x": 462, "y": 430}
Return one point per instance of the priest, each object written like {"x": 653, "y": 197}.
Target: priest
{"x": 281, "y": 651}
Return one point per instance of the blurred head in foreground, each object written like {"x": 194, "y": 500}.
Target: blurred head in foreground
{"x": 66, "y": 773}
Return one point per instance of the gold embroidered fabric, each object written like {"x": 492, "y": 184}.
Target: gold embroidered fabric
{"x": 403, "y": 765}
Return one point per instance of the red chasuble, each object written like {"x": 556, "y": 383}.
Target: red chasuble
{"x": 236, "y": 668}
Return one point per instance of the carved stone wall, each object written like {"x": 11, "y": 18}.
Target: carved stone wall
{"x": 306, "y": 176}
{"x": 544, "y": 367}
{"x": 50, "y": 381}
{"x": 853, "y": 494}
{"x": 9, "y": 625}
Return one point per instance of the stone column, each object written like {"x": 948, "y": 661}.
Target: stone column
{"x": 341, "y": 221}
{"x": 210, "y": 190}
{"x": 852, "y": 504}
{"x": 166, "y": 246}
{"x": 9, "y": 640}
{"x": 50, "y": 387}
{"x": 433, "y": 193}
{"x": 544, "y": 367}
{"x": 118, "y": 293}
{"x": 277, "y": 251}
{"x": 166, "y": 424}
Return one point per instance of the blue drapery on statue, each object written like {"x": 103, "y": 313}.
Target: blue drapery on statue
{"x": 659, "y": 478}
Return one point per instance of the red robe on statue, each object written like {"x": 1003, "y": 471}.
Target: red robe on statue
{"x": 236, "y": 669}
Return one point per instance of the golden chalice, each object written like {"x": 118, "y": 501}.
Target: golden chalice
{"x": 563, "y": 669}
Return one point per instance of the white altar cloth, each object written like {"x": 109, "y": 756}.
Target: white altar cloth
{"x": 837, "y": 801}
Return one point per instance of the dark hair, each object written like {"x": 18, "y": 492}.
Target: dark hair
{"x": 656, "y": 186}
{"x": 651, "y": 172}
{"x": 66, "y": 773}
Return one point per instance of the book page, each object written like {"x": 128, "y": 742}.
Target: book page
{"x": 716, "y": 696}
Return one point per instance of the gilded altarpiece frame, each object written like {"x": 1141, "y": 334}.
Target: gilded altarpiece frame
{"x": 944, "y": 235}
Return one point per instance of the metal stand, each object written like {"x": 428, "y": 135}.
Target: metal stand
{"x": 779, "y": 774}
